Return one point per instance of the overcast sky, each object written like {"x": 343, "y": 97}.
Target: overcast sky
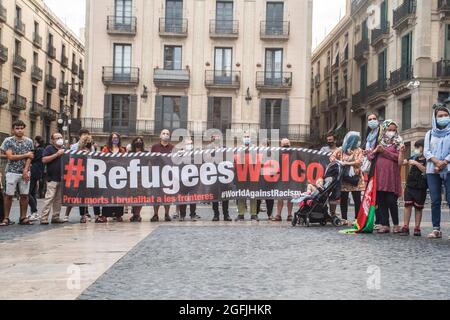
{"x": 326, "y": 15}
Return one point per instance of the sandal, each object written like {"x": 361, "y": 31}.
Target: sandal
{"x": 83, "y": 219}
{"x": 436, "y": 234}
{"x": 7, "y": 222}
{"x": 405, "y": 231}
{"x": 384, "y": 230}
{"x": 417, "y": 232}
{"x": 101, "y": 219}
{"x": 25, "y": 222}
{"x": 277, "y": 219}
{"x": 397, "y": 230}
{"x": 136, "y": 219}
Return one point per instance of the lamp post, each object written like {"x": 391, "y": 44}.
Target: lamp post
{"x": 65, "y": 116}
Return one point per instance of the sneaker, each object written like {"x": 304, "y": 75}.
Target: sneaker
{"x": 240, "y": 218}
{"x": 34, "y": 217}
{"x": 216, "y": 219}
{"x": 255, "y": 218}
{"x": 227, "y": 218}
{"x": 417, "y": 232}
{"x": 195, "y": 217}
{"x": 405, "y": 231}
{"x": 167, "y": 218}
{"x": 154, "y": 219}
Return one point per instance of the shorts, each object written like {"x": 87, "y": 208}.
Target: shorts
{"x": 12, "y": 181}
{"x": 415, "y": 198}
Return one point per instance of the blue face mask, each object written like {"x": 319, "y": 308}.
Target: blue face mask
{"x": 373, "y": 124}
{"x": 443, "y": 122}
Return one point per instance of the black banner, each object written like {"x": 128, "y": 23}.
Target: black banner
{"x": 148, "y": 179}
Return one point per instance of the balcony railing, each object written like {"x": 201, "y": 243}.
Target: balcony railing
{"x": 3, "y": 54}
{"x": 171, "y": 78}
{"x": 122, "y": 25}
{"x": 51, "y": 51}
{"x": 400, "y": 76}
{"x": 74, "y": 68}
{"x": 359, "y": 101}
{"x": 120, "y": 76}
{"x": 377, "y": 90}
{"x": 81, "y": 75}
{"x": 224, "y": 28}
{"x": 403, "y": 13}
{"x": 19, "y": 63}
{"x": 333, "y": 101}
{"x": 36, "y": 109}
{"x": 222, "y": 79}
{"x": 74, "y": 95}
{"x": 18, "y": 103}
{"x": 324, "y": 107}
{"x": 3, "y": 13}
{"x": 49, "y": 115}
{"x": 361, "y": 49}
{"x": 266, "y": 80}
{"x": 36, "y": 73}
{"x": 64, "y": 61}
{"x": 443, "y": 69}
{"x": 50, "y": 82}
{"x": 173, "y": 27}
{"x": 4, "y": 96}
{"x": 357, "y": 5}
{"x": 19, "y": 27}
{"x": 275, "y": 30}
{"x": 444, "y": 5}
{"x": 37, "y": 40}
{"x": 342, "y": 96}
{"x": 80, "y": 99}
{"x": 63, "y": 89}
{"x": 379, "y": 34}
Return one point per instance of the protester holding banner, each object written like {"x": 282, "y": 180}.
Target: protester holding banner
{"x": 437, "y": 153}
{"x": 390, "y": 156}
{"x": 285, "y": 144}
{"x": 51, "y": 157}
{"x": 188, "y": 147}
{"x": 137, "y": 145}
{"x": 351, "y": 155}
{"x": 164, "y": 146}
{"x": 114, "y": 146}
{"x": 242, "y": 203}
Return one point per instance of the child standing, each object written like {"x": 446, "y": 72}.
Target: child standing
{"x": 416, "y": 189}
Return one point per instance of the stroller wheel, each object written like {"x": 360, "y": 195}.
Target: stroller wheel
{"x": 336, "y": 222}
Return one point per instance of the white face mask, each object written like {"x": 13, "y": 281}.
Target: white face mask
{"x": 390, "y": 134}
{"x": 60, "y": 142}
{"x": 189, "y": 147}
{"x": 418, "y": 152}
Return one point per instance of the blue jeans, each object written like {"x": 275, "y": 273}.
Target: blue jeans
{"x": 435, "y": 185}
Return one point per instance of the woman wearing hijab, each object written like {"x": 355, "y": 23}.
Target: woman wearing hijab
{"x": 437, "y": 153}
{"x": 351, "y": 156}
{"x": 389, "y": 156}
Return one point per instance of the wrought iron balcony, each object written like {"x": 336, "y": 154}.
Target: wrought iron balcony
{"x": 37, "y": 40}
{"x": 64, "y": 61}
{"x": 359, "y": 101}
{"x": 377, "y": 92}
{"x": 18, "y": 103}
{"x": 333, "y": 101}
{"x": 171, "y": 78}
{"x": 19, "y": 27}
{"x": 4, "y": 96}
{"x": 278, "y": 81}
{"x": 404, "y": 14}
{"x": 222, "y": 79}
{"x": 36, "y": 109}
{"x": 51, "y": 51}
{"x": 19, "y": 64}
{"x": 381, "y": 35}
{"x": 120, "y": 76}
{"x": 74, "y": 95}
{"x": 444, "y": 5}
{"x": 3, "y": 54}
{"x": 36, "y": 73}
{"x": 50, "y": 82}
{"x": 173, "y": 27}
{"x": 74, "y": 68}
{"x": 342, "y": 96}
{"x": 443, "y": 69}
{"x": 63, "y": 89}
{"x": 275, "y": 30}
{"x": 362, "y": 50}
{"x": 224, "y": 28}
{"x": 122, "y": 25}
{"x": 49, "y": 115}
{"x": 401, "y": 77}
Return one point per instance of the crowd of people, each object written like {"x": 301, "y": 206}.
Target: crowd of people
{"x": 380, "y": 155}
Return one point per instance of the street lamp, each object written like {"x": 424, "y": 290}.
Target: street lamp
{"x": 65, "y": 116}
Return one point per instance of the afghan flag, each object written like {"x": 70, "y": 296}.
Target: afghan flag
{"x": 366, "y": 216}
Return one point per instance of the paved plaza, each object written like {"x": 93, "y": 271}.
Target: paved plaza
{"x": 205, "y": 260}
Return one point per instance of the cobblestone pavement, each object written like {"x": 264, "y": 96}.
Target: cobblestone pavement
{"x": 203, "y": 260}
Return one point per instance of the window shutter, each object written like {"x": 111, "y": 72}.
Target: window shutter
{"x": 184, "y": 111}
{"x": 284, "y": 125}
{"x": 107, "y": 113}
{"x": 262, "y": 114}
{"x": 158, "y": 114}
{"x": 211, "y": 113}
{"x": 133, "y": 114}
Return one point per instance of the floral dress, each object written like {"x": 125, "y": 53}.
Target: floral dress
{"x": 355, "y": 155}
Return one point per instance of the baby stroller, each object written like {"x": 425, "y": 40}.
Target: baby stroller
{"x": 314, "y": 207}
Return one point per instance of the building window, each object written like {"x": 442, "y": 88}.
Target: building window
{"x": 447, "y": 42}
{"x": 382, "y": 114}
{"x": 407, "y": 50}
{"x": 382, "y": 65}
{"x": 406, "y": 114}
{"x": 174, "y": 16}
{"x": 49, "y": 68}
{"x": 33, "y": 96}
{"x": 16, "y": 88}
{"x": 50, "y": 40}
{"x": 223, "y": 64}
{"x": 219, "y": 116}
{"x": 122, "y": 61}
{"x": 273, "y": 113}
{"x": 18, "y": 47}
{"x": 224, "y": 17}
{"x": 274, "y": 18}
{"x": 32, "y": 128}
{"x": 36, "y": 28}
{"x": 274, "y": 66}
{"x": 48, "y": 100}
{"x": 35, "y": 59}
{"x": 120, "y": 112}
{"x": 18, "y": 13}
{"x": 363, "y": 79}
{"x": 172, "y": 58}
{"x": 123, "y": 9}
{"x": 172, "y": 114}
